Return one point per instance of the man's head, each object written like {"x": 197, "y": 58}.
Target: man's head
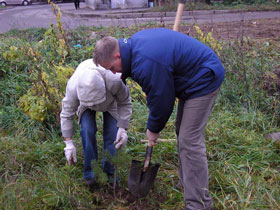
{"x": 107, "y": 54}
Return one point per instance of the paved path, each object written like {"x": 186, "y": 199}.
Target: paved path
{"x": 21, "y": 17}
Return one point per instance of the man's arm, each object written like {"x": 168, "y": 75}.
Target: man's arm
{"x": 157, "y": 82}
{"x": 70, "y": 104}
{"x": 124, "y": 106}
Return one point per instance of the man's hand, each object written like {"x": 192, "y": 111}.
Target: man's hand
{"x": 70, "y": 152}
{"x": 152, "y": 137}
{"x": 121, "y": 139}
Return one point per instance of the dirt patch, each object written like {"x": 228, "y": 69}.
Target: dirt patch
{"x": 271, "y": 82}
{"x": 123, "y": 199}
{"x": 259, "y": 31}
{"x": 255, "y": 29}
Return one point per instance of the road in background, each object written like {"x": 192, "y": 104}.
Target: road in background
{"x": 23, "y": 17}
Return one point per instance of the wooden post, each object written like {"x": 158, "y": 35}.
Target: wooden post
{"x": 178, "y": 15}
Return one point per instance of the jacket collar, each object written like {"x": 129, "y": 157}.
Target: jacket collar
{"x": 125, "y": 50}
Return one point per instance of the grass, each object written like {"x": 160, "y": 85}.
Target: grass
{"x": 243, "y": 164}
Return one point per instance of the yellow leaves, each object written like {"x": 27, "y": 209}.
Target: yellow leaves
{"x": 90, "y": 48}
{"x": 62, "y": 48}
{"x": 5, "y": 55}
{"x": 208, "y": 39}
{"x": 61, "y": 43}
{"x": 33, "y": 53}
{"x": 11, "y": 54}
{"x": 136, "y": 91}
{"x": 45, "y": 95}
{"x": 15, "y": 52}
{"x": 37, "y": 104}
{"x": 55, "y": 38}
{"x": 13, "y": 48}
{"x": 57, "y": 12}
{"x": 49, "y": 79}
{"x": 33, "y": 106}
{"x": 198, "y": 31}
{"x": 63, "y": 74}
{"x": 219, "y": 46}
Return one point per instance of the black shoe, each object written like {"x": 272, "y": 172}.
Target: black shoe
{"x": 91, "y": 184}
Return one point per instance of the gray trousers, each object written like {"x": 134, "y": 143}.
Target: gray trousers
{"x": 191, "y": 120}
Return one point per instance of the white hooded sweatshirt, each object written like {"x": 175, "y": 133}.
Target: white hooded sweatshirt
{"x": 95, "y": 88}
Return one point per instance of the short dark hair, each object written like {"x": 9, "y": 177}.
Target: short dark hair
{"x": 104, "y": 50}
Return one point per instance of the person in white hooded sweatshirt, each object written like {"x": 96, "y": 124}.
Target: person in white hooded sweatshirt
{"x": 92, "y": 89}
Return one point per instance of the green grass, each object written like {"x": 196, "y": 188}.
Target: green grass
{"x": 243, "y": 164}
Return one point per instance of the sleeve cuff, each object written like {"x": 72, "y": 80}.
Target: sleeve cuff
{"x": 123, "y": 124}
{"x": 67, "y": 133}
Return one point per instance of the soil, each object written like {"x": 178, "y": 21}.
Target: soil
{"x": 125, "y": 200}
{"x": 260, "y": 31}
{"x": 255, "y": 29}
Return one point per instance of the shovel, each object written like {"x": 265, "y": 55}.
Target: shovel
{"x": 141, "y": 179}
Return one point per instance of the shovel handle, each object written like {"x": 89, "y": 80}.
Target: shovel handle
{"x": 178, "y": 16}
{"x": 158, "y": 140}
{"x": 149, "y": 151}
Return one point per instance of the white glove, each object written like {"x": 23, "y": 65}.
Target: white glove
{"x": 70, "y": 152}
{"x": 121, "y": 139}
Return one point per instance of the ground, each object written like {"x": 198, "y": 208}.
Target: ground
{"x": 255, "y": 29}
{"x": 259, "y": 31}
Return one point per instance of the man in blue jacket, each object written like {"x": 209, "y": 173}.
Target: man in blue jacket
{"x": 169, "y": 64}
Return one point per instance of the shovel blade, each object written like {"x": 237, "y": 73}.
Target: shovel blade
{"x": 139, "y": 182}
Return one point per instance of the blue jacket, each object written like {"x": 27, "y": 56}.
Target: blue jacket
{"x": 169, "y": 64}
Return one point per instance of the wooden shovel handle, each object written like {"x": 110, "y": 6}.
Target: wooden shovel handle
{"x": 178, "y": 16}
{"x": 149, "y": 151}
{"x": 158, "y": 140}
